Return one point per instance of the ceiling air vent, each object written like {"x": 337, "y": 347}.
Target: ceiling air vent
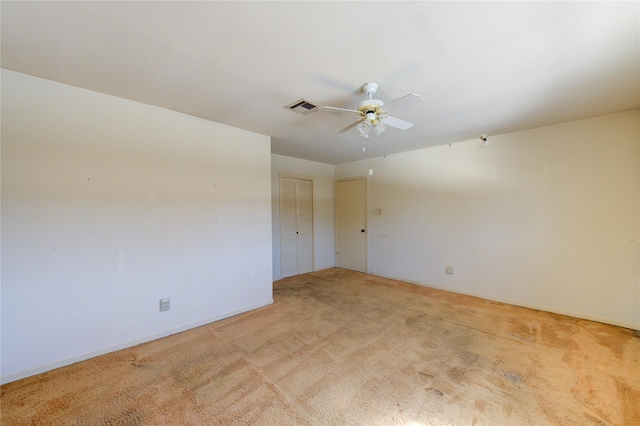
{"x": 302, "y": 106}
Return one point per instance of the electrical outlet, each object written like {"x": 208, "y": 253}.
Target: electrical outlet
{"x": 164, "y": 305}
{"x": 448, "y": 269}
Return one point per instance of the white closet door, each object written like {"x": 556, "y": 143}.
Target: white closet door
{"x": 296, "y": 226}
{"x": 305, "y": 226}
{"x": 288, "y": 228}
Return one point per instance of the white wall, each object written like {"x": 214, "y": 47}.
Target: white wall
{"x": 108, "y": 206}
{"x": 546, "y": 218}
{"x": 323, "y": 208}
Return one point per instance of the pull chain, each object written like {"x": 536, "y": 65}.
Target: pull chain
{"x": 371, "y": 160}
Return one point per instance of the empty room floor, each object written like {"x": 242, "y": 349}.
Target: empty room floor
{"x": 344, "y": 348}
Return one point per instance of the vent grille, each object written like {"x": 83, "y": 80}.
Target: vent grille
{"x": 302, "y": 106}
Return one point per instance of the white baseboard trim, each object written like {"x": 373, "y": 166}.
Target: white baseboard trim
{"x": 322, "y": 268}
{"x": 577, "y": 315}
{"x": 317, "y": 269}
{"x": 92, "y": 354}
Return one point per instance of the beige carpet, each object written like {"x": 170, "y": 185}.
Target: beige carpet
{"x": 343, "y": 348}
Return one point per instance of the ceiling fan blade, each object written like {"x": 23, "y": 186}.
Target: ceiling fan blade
{"x": 352, "y": 111}
{"x": 397, "y": 123}
{"x": 350, "y": 126}
{"x": 404, "y": 101}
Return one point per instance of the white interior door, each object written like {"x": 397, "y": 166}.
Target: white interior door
{"x": 351, "y": 224}
{"x": 296, "y": 226}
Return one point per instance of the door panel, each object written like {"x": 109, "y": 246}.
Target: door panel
{"x": 296, "y": 226}
{"x": 351, "y": 222}
{"x": 305, "y": 227}
{"x": 288, "y": 228}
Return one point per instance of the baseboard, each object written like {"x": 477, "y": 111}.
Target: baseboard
{"x": 317, "y": 269}
{"x": 92, "y": 354}
{"x": 322, "y": 268}
{"x": 523, "y": 304}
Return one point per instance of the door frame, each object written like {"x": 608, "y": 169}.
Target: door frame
{"x": 366, "y": 216}
{"x": 284, "y": 175}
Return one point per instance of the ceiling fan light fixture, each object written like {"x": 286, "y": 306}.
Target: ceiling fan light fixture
{"x": 364, "y": 129}
{"x": 379, "y": 128}
{"x": 371, "y": 118}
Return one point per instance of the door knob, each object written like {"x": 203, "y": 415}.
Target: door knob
{"x": 362, "y": 230}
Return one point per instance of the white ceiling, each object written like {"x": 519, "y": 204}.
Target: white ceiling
{"x": 481, "y": 67}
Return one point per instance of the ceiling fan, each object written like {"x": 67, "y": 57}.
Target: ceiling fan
{"x": 372, "y": 116}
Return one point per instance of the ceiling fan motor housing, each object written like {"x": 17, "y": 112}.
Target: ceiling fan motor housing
{"x": 371, "y": 110}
